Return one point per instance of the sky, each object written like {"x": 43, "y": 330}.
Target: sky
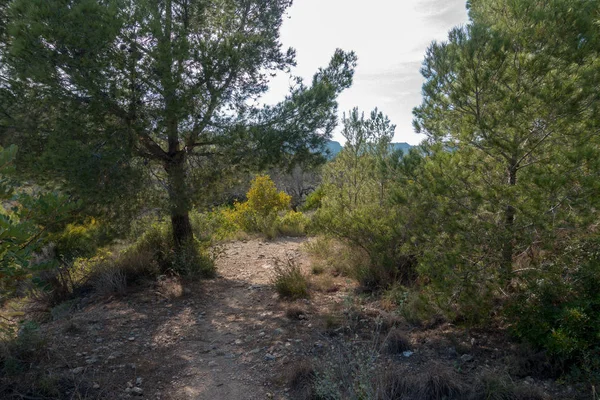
{"x": 388, "y": 36}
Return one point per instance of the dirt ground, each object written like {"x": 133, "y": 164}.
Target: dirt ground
{"x": 231, "y": 337}
{"x": 224, "y": 338}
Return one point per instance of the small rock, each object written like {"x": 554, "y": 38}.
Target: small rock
{"x": 466, "y": 358}
{"x": 99, "y": 340}
{"x": 452, "y": 352}
{"x": 131, "y": 338}
{"x": 279, "y": 331}
{"x": 212, "y": 363}
{"x": 239, "y": 341}
{"x": 138, "y": 381}
{"x": 269, "y": 357}
{"x": 138, "y": 391}
{"x": 407, "y": 353}
{"x": 78, "y": 355}
{"x": 96, "y": 386}
{"x": 77, "y": 370}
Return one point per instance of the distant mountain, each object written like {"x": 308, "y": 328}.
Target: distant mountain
{"x": 405, "y": 147}
{"x": 335, "y": 147}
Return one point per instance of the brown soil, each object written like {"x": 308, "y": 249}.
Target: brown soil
{"x": 224, "y": 338}
{"x": 232, "y": 337}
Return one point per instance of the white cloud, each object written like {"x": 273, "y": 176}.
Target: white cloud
{"x": 390, "y": 38}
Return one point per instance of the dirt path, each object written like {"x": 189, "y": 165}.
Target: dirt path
{"x": 237, "y": 345}
{"x": 225, "y": 338}
{"x": 233, "y": 338}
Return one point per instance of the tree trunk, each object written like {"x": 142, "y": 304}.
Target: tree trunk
{"x": 179, "y": 200}
{"x": 509, "y": 221}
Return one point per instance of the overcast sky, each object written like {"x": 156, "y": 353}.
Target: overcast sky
{"x": 389, "y": 37}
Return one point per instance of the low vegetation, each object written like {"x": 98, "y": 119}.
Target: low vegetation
{"x": 132, "y": 175}
{"x": 290, "y": 281}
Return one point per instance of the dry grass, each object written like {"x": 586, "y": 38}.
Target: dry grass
{"x": 324, "y": 283}
{"x": 289, "y": 280}
{"x": 396, "y": 342}
{"x": 113, "y": 275}
{"x": 438, "y": 382}
{"x": 294, "y": 312}
{"x": 300, "y": 378}
{"x": 335, "y": 256}
{"x": 169, "y": 287}
{"x": 492, "y": 385}
{"x": 332, "y": 323}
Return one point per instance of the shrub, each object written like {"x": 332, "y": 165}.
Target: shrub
{"x": 437, "y": 383}
{"x": 23, "y": 350}
{"x": 195, "y": 261}
{"x": 313, "y": 200}
{"x": 115, "y": 273}
{"x": 336, "y": 256}
{"x": 289, "y": 280}
{"x": 212, "y": 225}
{"x": 295, "y": 312}
{"x": 263, "y": 197}
{"x": 559, "y": 310}
{"x": 260, "y": 212}
{"x": 396, "y": 342}
{"x": 78, "y": 240}
{"x": 414, "y": 305}
{"x": 354, "y": 372}
{"x": 301, "y": 376}
{"x": 293, "y": 223}
{"x": 492, "y": 385}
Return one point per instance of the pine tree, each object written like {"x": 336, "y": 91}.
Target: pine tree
{"x": 167, "y": 87}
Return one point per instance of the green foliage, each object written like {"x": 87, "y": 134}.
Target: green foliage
{"x": 25, "y": 226}
{"x": 259, "y": 213}
{"x": 293, "y": 223}
{"x": 211, "y": 226}
{"x": 336, "y": 256}
{"x": 24, "y": 349}
{"x": 117, "y": 126}
{"x": 194, "y": 259}
{"x": 78, "y": 240}
{"x": 314, "y": 199}
{"x": 355, "y": 206}
{"x": 509, "y": 174}
{"x": 559, "y": 307}
{"x": 289, "y": 280}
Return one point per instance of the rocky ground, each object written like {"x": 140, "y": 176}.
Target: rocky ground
{"x": 225, "y": 338}
{"x": 233, "y": 338}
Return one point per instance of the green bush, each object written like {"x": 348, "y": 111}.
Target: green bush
{"x": 558, "y": 309}
{"x": 259, "y": 213}
{"x": 19, "y": 352}
{"x": 78, "y": 240}
{"x": 336, "y": 256}
{"x": 293, "y": 223}
{"x": 212, "y": 225}
{"x": 289, "y": 281}
{"x": 193, "y": 259}
{"x": 314, "y": 199}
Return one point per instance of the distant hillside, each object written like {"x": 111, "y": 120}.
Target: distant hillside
{"x": 335, "y": 147}
{"x": 405, "y": 147}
